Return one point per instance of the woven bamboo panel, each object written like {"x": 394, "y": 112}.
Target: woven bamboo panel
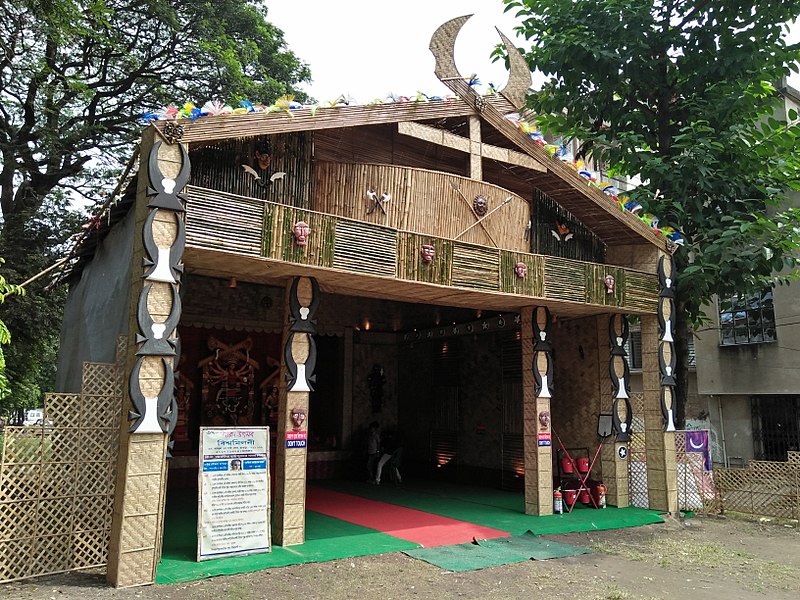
{"x": 90, "y": 547}
{"x": 365, "y": 249}
{"x": 410, "y": 265}
{"x": 641, "y": 291}
{"x": 57, "y": 481}
{"x": 564, "y": 280}
{"x": 763, "y": 488}
{"x": 637, "y": 455}
{"x": 60, "y": 412}
{"x": 100, "y": 379}
{"x": 223, "y": 221}
{"x": 135, "y": 563}
{"x": 475, "y": 267}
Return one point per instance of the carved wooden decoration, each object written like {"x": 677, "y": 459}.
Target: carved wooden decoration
{"x": 621, "y": 413}
{"x": 151, "y": 384}
{"x": 300, "y": 369}
{"x": 542, "y": 352}
{"x": 666, "y": 354}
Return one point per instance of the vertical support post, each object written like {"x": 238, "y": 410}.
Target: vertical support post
{"x": 155, "y": 309}
{"x": 299, "y": 359}
{"x": 662, "y": 471}
{"x": 536, "y": 382}
{"x": 346, "y": 432}
{"x": 613, "y": 334}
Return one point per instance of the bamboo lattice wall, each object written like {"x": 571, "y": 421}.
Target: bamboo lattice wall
{"x": 695, "y": 492}
{"x": 57, "y": 481}
{"x": 762, "y": 488}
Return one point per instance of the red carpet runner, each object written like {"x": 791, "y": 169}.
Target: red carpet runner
{"x": 405, "y": 523}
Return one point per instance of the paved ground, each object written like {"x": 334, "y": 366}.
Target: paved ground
{"x": 697, "y": 559}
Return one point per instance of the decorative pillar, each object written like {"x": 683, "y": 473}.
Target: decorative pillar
{"x": 666, "y": 346}
{"x": 615, "y": 450}
{"x": 658, "y": 383}
{"x": 137, "y": 526}
{"x": 299, "y": 359}
{"x": 537, "y": 378}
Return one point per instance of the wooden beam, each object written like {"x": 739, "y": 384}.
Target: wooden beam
{"x": 475, "y": 163}
{"x": 456, "y": 142}
{"x": 254, "y": 124}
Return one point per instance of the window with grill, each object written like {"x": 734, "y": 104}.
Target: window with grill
{"x": 776, "y": 426}
{"x": 747, "y": 319}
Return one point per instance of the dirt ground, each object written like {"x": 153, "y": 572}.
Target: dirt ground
{"x": 697, "y": 559}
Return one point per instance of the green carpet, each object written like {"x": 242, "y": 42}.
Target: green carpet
{"x": 326, "y": 539}
{"x": 329, "y": 539}
{"x": 495, "y": 508}
{"x": 490, "y": 553}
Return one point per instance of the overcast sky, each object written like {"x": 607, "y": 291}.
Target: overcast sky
{"x": 368, "y": 49}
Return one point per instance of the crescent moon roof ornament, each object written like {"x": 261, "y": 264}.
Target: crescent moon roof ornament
{"x": 442, "y": 47}
{"x": 519, "y": 78}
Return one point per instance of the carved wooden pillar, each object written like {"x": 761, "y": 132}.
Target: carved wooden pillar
{"x": 299, "y": 358}
{"x": 612, "y": 335}
{"x": 657, "y": 369}
{"x": 537, "y": 377}
{"x": 137, "y": 527}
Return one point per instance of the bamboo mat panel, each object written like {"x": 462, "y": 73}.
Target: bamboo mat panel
{"x": 641, "y": 291}
{"x": 564, "y": 280}
{"x": 530, "y": 285}
{"x": 217, "y": 220}
{"x": 279, "y": 241}
{"x": 362, "y": 248}
{"x": 596, "y": 292}
{"x": 264, "y": 229}
{"x": 475, "y": 267}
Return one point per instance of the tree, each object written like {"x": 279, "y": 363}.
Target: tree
{"x": 75, "y": 78}
{"x": 6, "y": 289}
{"x": 682, "y": 93}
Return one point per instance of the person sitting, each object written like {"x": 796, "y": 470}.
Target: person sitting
{"x": 373, "y": 449}
{"x": 391, "y": 454}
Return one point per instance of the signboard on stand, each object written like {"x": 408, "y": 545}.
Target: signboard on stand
{"x": 233, "y": 507}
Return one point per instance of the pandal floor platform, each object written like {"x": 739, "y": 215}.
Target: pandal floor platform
{"x": 348, "y": 518}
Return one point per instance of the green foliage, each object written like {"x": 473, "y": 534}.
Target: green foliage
{"x": 682, "y": 93}
{"x": 75, "y": 78}
{"x": 6, "y": 289}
